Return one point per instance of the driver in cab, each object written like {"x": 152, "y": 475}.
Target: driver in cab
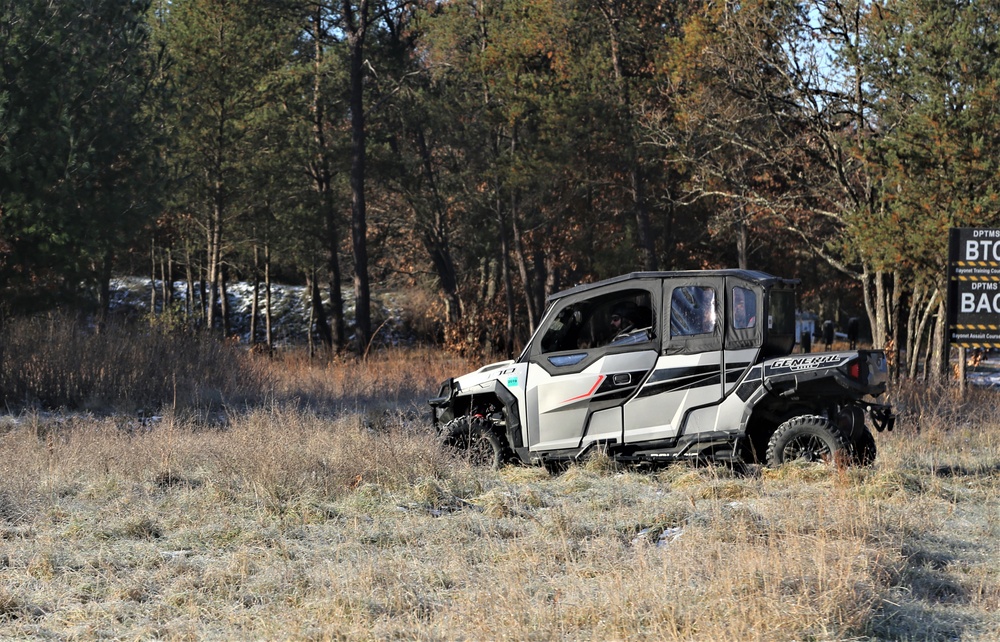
{"x": 624, "y": 322}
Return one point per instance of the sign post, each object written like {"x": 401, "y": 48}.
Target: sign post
{"x": 973, "y": 291}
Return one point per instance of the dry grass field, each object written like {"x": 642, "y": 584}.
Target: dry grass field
{"x": 325, "y": 511}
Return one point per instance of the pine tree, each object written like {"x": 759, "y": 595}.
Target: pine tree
{"x": 78, "y": 177}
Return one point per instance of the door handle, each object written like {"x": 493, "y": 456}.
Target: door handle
{"x": 621, "y": 379}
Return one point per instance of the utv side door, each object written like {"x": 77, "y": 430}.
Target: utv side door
{"x": 582, "y": 367}
{"x": 685, "y": 388}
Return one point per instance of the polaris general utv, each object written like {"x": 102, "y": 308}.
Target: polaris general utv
{"x": 659, "y": 366}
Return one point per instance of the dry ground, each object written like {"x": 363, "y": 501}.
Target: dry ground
{"x": 289, "y": 523}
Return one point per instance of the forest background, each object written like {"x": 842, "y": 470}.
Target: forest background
{"x": 481, "y": 155}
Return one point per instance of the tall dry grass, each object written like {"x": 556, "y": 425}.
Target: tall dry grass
{"x": 332, "y": 514}
{"x": 386, "y": 382}
{"x": 58, "y": 361}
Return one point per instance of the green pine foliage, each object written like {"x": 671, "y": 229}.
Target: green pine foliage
{"x": 936, "y": 87}
{"x": 510, "y": 148}
{"x": 76, "y": 144}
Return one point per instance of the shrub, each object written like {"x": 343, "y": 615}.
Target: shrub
{"x": 57, "y": 361}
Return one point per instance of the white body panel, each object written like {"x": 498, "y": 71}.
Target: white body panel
{"x": 678, "y": 383}
{"x": 561, "y": 404}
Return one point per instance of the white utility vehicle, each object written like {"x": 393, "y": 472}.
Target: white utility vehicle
{"x": 658, "y": 366}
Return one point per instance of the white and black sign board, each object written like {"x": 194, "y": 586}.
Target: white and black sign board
{"x": 974, "y": 287}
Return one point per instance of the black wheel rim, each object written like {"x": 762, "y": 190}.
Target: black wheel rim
{"x": 806, "y": 447}
{"x": 470, "y": 441}
{"x": 480, "y": 452}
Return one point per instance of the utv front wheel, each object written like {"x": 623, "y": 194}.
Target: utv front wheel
{"x": 807, "y": 438}
{"x": 476, "y": 442}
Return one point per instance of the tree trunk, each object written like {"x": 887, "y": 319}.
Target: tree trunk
{"x": 941, "y": 350}
{"x": 539, "y": 281}
{"x": 319, "y": 314}
{"x": 171, "y": 276}
{"x": 912, "y": 337}
{"x": 669, "y": 242}
{"x": 444, "y": 267}
{"x": 895, "y": 318}
{"x": 224, "y": 300}
{"x": 880, "y": 331}
{"x": 867, "y": 296}
{"x": 742, "y": 241}
{"x": 435, "y": 239}
{"x": 358, "y": 26}
{"x": 323, "y": 183}
{"x": 152, "y": 283}
{"x": 522, "y": 265}
{"x": 166, "y": 279}
{"x": 202, "y": 297}
{"x": 642, "y": 223}
{"x": 637, "y": 183}
{"x": 104, "y": 291}
{"x": 255, "y": 300}
{"x": 508, "y": 350}
{"x": 189, "y": 274}
{"x": 337, "y": 305}
{"x": 918, "y": 335}
{"x": 552, "y": 282}
{"x": 487, "y": 279}
{"x": 873, "y": 288}
{"x": 310, "y": 288}
{"x": 214, "y": 262}
{"x": 163, "y": 281}
{"x": 269, "y": 338}
{"x": 928, "y": 356}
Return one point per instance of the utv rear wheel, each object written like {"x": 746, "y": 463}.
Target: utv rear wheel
{"x": 476, "y": 442}
{"x": 807, "y": 438}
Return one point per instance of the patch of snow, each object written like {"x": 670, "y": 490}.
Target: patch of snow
{"x": 662, "y": 538}
{"x": 986, "y": 374}
{"x": 984, "y": 379}
{"x": 290, "y": 309}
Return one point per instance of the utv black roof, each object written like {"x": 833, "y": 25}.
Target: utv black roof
{"x": 762, "y": 278}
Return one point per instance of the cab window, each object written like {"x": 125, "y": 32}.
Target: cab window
{"x": 781, "y": 319}
{"x": 615, "y": 319}
{"x": 692, "y": 311}
{"x": 744, "y": 308}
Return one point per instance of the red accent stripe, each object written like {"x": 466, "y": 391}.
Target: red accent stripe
{"x": 600, "y": 379}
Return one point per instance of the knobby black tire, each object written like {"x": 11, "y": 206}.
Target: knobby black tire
{"x": 809, "y": 438}
{"x": 476, "y": 441}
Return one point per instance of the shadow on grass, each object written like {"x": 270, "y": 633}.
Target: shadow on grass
{"x": 983, "y": 470}
{"x": 926, "y": 599}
